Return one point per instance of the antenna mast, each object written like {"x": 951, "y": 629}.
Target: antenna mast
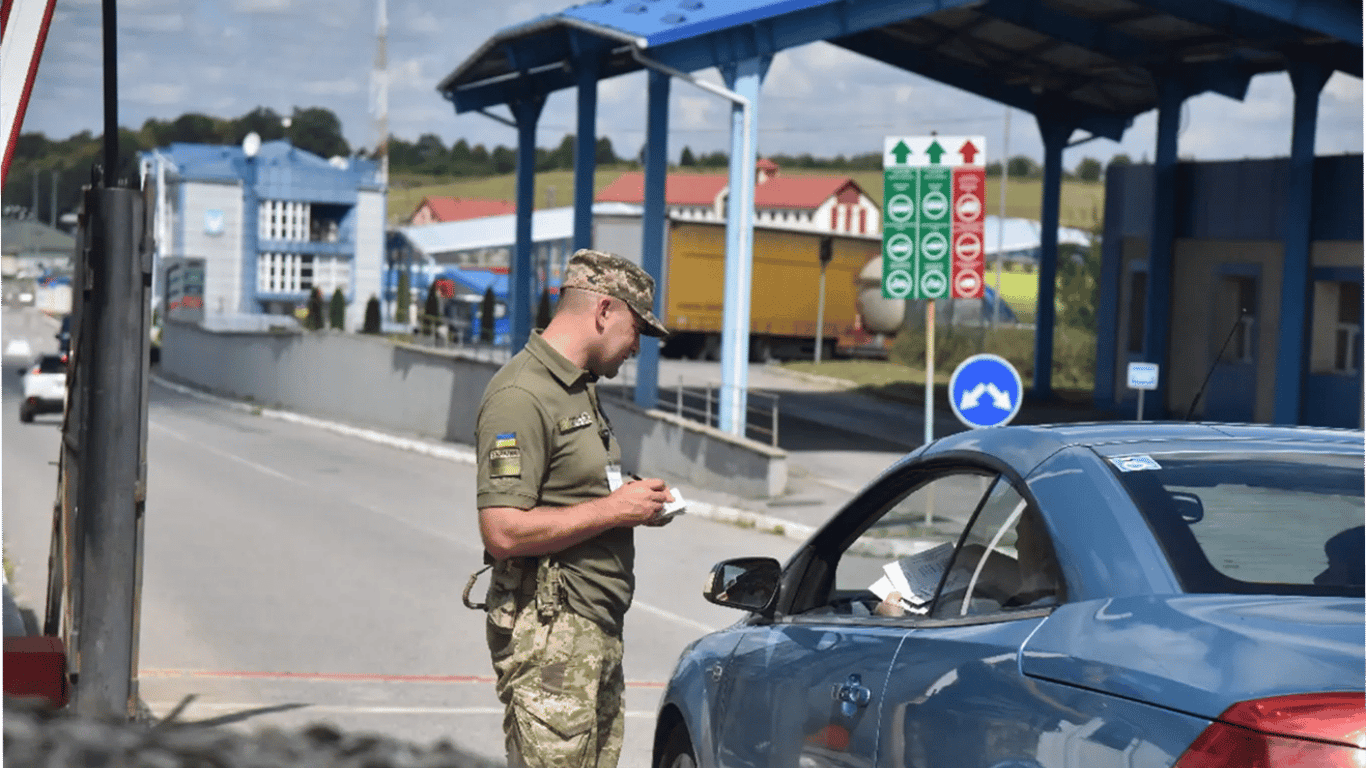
{"x": 379, "y": 84}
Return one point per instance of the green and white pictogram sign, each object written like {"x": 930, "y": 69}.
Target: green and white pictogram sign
{"x": 932, "y": 202}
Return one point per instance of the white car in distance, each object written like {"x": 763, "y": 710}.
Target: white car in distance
{"x": 44, "y": 387}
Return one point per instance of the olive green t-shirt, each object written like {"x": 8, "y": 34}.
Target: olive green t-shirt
{"x": 543, "y": 442}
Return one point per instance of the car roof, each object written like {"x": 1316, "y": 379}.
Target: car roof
{"x": 1025, "y": 447}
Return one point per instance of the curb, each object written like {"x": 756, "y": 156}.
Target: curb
{"x": 740, "y": 517}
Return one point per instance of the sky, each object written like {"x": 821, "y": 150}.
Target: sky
{"x": 226, "y": 57}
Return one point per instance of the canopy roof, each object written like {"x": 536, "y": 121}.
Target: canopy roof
{"x": 1093, "y": 62}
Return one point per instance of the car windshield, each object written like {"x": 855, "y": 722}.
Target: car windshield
{"x": 1254, "y": 522}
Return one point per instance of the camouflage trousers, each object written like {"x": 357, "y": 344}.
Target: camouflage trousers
{"x": 560, "y": 680}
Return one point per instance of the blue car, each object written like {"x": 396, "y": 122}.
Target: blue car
{"x": 1126, "y": 595}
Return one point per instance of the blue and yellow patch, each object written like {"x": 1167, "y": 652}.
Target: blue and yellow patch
{"x": 505, "y": 440}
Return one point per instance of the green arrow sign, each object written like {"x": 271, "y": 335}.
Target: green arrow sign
{"x": 934, "y": 151}
{"x": 901, "y": 152}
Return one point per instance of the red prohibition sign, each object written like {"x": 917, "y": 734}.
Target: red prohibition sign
{"x": 967, "y": 284}
{"x": 967, "y": 247}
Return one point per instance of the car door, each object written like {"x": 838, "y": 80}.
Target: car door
{"x": 955, "y": 696}
{"x": 806, "y": 689}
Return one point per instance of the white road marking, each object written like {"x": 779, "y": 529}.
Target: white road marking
{"x": 660, "y": 612}
{"x": 226, "y": 455}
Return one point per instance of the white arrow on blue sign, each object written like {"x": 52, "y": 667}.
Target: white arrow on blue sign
{"x": 985, "y": 391}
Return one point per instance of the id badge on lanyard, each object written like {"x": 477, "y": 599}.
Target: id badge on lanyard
{"x": 613, "y": 476}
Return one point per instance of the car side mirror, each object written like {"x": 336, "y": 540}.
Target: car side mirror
{"x": 747, "y": 583}
{"x": 1189, "y": 506}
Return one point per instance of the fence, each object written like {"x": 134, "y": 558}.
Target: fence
{"x": 702, "y": 403}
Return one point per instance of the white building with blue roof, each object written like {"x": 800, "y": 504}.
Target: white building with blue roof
{"x": 244, "y": 237}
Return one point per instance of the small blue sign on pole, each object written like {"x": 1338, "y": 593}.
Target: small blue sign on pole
{"x": 985, "y": 391}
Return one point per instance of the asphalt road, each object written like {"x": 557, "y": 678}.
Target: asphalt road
{"x": 293, "y": 575}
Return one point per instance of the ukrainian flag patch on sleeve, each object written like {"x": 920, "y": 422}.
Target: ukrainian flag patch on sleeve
{"x": 505, "y": 440}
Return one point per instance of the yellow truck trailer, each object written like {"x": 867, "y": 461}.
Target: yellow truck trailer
{"x": 784, "y": 293}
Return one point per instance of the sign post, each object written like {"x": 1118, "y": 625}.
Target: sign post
{"x": 932, "y": 216}
{"x": 1142, "y": 377}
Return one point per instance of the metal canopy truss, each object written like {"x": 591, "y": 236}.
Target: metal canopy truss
{"x": 1094, "y": 63}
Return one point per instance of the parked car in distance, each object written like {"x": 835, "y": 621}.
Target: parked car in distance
{"x": 44, "y": 387}
{"x": 1135, "y": 595}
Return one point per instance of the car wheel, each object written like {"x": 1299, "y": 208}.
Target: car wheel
{"x": 677, "y": 750}
{"x": 26, "y": 413}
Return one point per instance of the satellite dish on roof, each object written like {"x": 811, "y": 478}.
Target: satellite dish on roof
{"x": 251, "y": 144}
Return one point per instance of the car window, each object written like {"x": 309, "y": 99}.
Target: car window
{"x": 894, "y": 566}
{"x": 1004, "y": 563}
{"x": 51, "y": 364}
{"x": 1254, "y": 521}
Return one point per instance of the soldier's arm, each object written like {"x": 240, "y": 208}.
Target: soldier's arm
{"x": 512, "y": 532}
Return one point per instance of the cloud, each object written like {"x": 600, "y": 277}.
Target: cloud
{"x": 338, "y": 87}
{"x": 156, "y": 94}
{"x": 153, "y": 22}
{"x": 265, "y": 6}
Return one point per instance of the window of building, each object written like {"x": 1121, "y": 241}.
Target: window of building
{"x": 1238, "y": 296}
{"x": 1347, "y": 335}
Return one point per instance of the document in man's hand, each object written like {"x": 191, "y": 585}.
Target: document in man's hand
{"x": 676, "y": 507}
{"x": 915, "y": 577}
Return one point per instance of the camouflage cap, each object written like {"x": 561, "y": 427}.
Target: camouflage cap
{"x": 614, "y": 276}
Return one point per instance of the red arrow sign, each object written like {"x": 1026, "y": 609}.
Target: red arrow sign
{"x": 968, "y": 151}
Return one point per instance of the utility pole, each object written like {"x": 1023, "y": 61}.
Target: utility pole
{"x": 109, "y": 398}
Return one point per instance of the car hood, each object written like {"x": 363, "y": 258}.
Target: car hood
{"x": 1202, "y": 653}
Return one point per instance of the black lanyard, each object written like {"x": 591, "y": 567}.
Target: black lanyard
{"x": 604, "y": 426}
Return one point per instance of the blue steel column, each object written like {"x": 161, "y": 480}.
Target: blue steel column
{"x": 1162, "y": 240}
{"x": 251, "y": 215}
{"x": 526, "y": 110}
{"x": 652, "y": 229}
{"x": 744, "y": 78}
{"x": 1055, "y": 134}
{"x": 1108, "y": 291}
{"x": 1292, "y": 347}
{"x": 585, "y": 151}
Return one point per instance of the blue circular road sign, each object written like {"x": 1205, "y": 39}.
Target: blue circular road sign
{"x": 985, "y": 391}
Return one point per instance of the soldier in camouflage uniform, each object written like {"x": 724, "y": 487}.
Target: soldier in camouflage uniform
{"x": 558, "y": 521}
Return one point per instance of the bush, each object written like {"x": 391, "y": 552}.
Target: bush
{"x": 372, "y": 321}
{"x": 1074, "y": 351}
{"x": 486, "y": 318}
{"x": 431, "y": 309}
{"x": 337, "y": 310}
{"x": 404, "y": 297}
{"x": 543, "y": 309}
{"x": 313, "y": 320}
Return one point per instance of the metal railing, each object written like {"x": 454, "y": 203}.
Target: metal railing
{"x": 702, "y": 403}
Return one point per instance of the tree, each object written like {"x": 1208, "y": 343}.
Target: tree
{"x": 372, "y": 322}
{"x": 486, "y": 316}
{"x": 604, "y": 154}
{"x": 337, "y": 310}
{"x": 405, "y": 293}
{"x": 264, "y": 121}
{"x": 1089, "y": 169}
{"x": 313, "y": 321}
{"x": 194, "y": 128}
{"x": 563, "y": 156}
{"x": 1023, "y": 167}
{"x": 504, "y": 159}
{"x": 1121, "y": 159}
{"x": 687, "y": 160}
{"x": 1078, "y": 278}
{"x": 318, "y": 130}
{"x": 543, "y": 309}
{"x": 431, "y": 310}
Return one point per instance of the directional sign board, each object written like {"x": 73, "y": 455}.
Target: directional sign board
{"x": 933, "y": 195}
{"x": 985, "y": 391}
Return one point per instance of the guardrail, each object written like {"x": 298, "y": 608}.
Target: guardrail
{"x": 702, "y": 403}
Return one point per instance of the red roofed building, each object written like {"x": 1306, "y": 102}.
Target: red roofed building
{"x": 834, "y": 204}
{"x": 435, "y": 210}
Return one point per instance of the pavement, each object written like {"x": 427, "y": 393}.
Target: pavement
{"x": 838, "y": 440}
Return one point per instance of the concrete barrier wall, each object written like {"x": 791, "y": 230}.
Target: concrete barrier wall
{"x": 370, "y": 381}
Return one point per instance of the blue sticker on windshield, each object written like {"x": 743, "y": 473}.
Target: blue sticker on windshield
{"x": 1134, "y": 463}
